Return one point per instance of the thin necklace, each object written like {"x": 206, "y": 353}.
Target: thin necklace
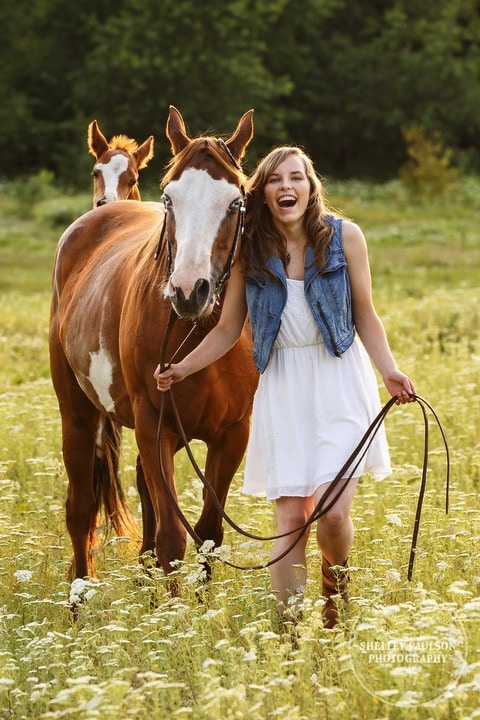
{"x": 289, "y": 254}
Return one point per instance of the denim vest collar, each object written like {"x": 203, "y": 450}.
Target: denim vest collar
{"x": 327, "y": 292}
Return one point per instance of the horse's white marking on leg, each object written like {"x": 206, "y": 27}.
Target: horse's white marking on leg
{"x": 99, "y": 441}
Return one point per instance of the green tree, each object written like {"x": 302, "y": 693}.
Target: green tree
{"x": 207, "y": 59}
{"x": 364, "y": 70}
{"x": 43, "y": 45}
{"x": 341, "y": 78}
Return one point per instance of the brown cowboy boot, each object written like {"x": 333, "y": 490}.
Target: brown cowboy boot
{"x": 334, "y": 583}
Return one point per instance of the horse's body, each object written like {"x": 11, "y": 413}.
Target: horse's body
{"x": 108, "y": 319}
{"x": 117, "y": 164}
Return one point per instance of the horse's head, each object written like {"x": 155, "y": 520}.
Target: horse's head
{"x": 204, "y": 200}
{"x": 118, "y": 162}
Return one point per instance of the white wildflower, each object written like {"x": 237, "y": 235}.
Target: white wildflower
{"x": 250, "y": 656}
{"x": 394, "y": 519}
{"x": 77, "y": 588}
{"x": 408, "y": 671}
{"x": 222, "y": 552}
{"x": 197, "y": 576}
{"x": 23, "y": 576}
{"x": 207, "y": 547}
{"x": 393, "y": 575}
{"x": 209, "y": 662}
{"x": 458, "y": 588}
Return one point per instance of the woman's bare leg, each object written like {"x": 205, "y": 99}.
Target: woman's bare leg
{"x": 289, "y": 575}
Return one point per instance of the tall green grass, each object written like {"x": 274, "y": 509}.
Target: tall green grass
{"x": 217, "y": 651}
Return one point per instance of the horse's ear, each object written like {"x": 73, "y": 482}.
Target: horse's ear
{"x": 176, "y": 131}
{"x": 242, "y": 136}
{"x": 97, "y": 142}
{"x": 144, "y": 153}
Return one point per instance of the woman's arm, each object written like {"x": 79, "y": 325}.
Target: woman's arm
{"x": 367, "y": 323}
{"x": 219, "y": 340}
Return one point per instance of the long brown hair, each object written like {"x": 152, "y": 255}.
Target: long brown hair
{"x": 262, "y": 239}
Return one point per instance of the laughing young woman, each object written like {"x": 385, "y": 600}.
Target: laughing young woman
{"x": 304, "y": 280}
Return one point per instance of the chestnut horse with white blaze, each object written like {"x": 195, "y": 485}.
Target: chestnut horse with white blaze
{"x": 110, "y": 308}
{"x": 118, "y": 162}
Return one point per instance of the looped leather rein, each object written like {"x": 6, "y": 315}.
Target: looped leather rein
{"x": 328, "y": 499}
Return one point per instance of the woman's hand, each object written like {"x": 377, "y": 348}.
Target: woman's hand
{"x": 400, "y": 386}
{"x": 172, "y": 375}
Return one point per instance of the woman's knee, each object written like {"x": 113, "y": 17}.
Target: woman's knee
{"x": 334, "y": 521}
{"x": 292, "y": 513}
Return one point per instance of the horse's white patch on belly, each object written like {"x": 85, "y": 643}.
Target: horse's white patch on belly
{"x": 111, "y": 172}
{"x": 101, "y": 377}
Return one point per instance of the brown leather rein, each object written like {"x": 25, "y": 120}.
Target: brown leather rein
{"x": 328, "y": 499}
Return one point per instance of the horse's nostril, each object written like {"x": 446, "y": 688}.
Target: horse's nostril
{"x": 201, "y": 290}
{"x": 195, "y": 303}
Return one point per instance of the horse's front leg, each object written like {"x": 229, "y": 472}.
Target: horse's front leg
{"x": 148, "y": 513}
{"x": 223, "y": 460}
{"x": 170, "y": 536}
{"x": 81, "y": 505}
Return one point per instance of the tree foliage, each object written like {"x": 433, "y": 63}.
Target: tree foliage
{"x": 342, "y": 79}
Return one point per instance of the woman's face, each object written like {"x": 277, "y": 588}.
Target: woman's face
{"x": 287, "y": 190}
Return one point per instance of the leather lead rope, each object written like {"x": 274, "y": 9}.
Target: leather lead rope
{"x": 326, "y": 502}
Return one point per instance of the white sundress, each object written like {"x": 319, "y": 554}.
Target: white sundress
{"x": 310, "y": 410}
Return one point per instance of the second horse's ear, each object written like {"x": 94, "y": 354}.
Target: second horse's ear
{"x": 176, "y": 131}
{"x": 144, "y": 153}
{"x": 97, "y": 142}
{"x": 242, "y": 136}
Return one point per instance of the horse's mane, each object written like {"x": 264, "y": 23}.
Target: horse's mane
{"x": 208, "y": 146}
{"x": 122, "y": 142}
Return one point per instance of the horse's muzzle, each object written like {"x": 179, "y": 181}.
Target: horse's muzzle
{"x": 197, "y": 302}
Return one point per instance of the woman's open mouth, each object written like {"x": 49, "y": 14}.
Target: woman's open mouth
{"x": 287, "y": 201}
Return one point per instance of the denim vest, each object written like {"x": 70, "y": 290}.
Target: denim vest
{"x": 327, "y": 292}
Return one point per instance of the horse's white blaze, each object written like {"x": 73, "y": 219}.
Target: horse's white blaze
{"x": 111, "y": 172}
{"x": 100, "y": 376}
{"x": 199, "y": 205}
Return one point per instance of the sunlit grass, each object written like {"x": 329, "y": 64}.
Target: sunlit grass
{"x": 218, "y": 651}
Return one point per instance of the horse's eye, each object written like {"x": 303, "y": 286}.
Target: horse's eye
{"x": 167, "y": 202}
{"x": 133, "y": 182}
{"x": 236, "y": 204}
{"x": 95, "y": 174}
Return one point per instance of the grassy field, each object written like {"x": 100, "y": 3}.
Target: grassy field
{"x": 405, "y": 651}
